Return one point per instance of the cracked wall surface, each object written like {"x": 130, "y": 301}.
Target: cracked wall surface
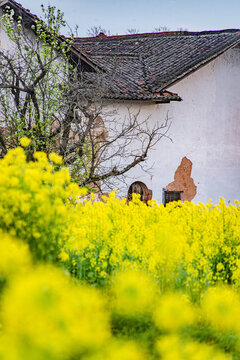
{"x": 183, "y": 181}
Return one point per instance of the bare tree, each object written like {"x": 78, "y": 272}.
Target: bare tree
{"x": 96, "y": 30}
{"x": 161, "y": 29}
{"x": 165, "y": 28}
{"x": 132, "y": 31}
{"x": 107, "y": 145}
{"x": 31, "y": 71}
{"x": 47, "y": 97}
{"x": 182, "y": 29}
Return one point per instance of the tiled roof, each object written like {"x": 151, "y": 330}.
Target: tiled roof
{"x": 144, "y": 65}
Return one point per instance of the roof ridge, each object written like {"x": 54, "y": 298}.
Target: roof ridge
{"x": 156, "y": 34}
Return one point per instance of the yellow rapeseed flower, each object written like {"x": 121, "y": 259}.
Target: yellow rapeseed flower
{"x": 134, "y": 293}
{"x": 55, "y": 158}
{"x": 25, "y": 141}
{"x": 173, "y": 312}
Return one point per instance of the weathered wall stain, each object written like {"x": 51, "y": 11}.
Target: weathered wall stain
{"x": 100, "y": 132}
{"x": 183, "y": 181}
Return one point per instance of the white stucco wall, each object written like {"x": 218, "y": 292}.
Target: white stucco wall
{"x": 205, "y": 128}
{"x": 6, "y": 44}
{"x": 4, "y": 40}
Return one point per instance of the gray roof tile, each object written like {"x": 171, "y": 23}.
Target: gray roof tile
{"x": 146, "y": 64}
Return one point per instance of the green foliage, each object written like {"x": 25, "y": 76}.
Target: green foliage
{"x": 34, "y": 79}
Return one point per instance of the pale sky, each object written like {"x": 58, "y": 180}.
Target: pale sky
{"x": 144, "y": 15}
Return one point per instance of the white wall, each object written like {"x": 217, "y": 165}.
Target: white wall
{"x": 4, "y": 40}
{"x": 205, "y": 128}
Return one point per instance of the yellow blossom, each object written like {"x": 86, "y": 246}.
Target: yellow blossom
{"x": 25, "y": 141}
{"x": 57, "y": 159}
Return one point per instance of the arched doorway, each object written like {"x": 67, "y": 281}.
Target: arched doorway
{"x": 139, "y": 187}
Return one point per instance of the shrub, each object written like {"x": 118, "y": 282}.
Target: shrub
{"x": 34, "y": 199}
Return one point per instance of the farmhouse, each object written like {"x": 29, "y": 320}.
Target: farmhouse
{"x": 189, "y": 80}
{"x": 200, "y": 157}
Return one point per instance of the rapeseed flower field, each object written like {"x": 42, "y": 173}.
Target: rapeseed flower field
{"x": 108, "y": 280}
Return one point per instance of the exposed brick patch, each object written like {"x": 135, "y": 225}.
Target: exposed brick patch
{"x": 100, "y": 132}
{"x": 183, "y": 181}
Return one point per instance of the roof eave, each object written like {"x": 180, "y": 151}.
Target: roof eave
{"x": 156, "y": 100}
{"x": 85, "y": 58}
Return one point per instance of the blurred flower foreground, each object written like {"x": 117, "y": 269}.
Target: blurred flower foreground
{"x": 109, "y": 280}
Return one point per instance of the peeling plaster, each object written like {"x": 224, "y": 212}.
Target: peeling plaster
{"x": 183, "y": 181}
